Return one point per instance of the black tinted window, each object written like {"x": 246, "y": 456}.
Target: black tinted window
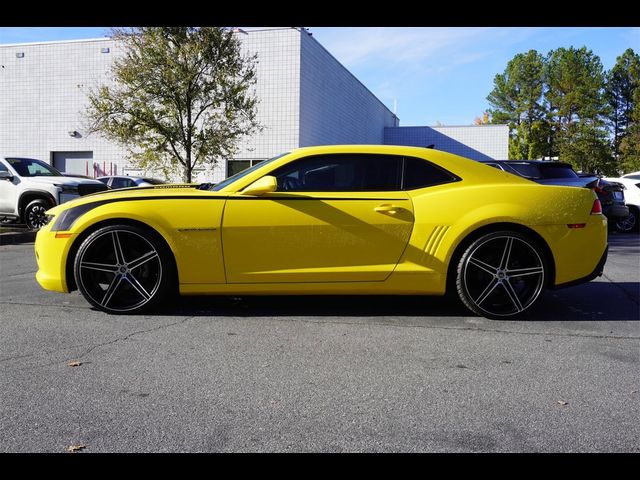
{"x": 341, "y": 173}
{"x": 553, "y": 171}
{"x": 121, "y": 183}
{"x": 541, "y": 170}
{"x": 419, "y": 173}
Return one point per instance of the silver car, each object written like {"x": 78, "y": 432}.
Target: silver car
{"x": 117, "y": 181}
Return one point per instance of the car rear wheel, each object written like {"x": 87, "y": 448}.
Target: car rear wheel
{"x": 501, "y": 274}
{"x": 123, "y": 269}
{"x": 628, "y": 224}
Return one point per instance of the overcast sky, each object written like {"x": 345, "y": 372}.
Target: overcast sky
{"x": 429, "y": 74}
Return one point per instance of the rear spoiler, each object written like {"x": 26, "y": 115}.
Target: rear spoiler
{"x": 593, "y": 184}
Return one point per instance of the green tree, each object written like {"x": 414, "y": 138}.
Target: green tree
{"x": 630, "y": 144}
{"x": 575, "y": 107}
{"x": 517, "y": 101}
{"x": 182, "y": 97}
{"x": 621, "y": 82}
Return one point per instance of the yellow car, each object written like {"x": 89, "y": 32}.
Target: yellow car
{"x": 342, "y": 219}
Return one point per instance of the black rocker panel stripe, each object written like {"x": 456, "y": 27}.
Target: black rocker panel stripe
{"x": 67, "y": 218}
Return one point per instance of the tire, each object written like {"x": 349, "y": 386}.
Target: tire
{"x": 124, "y": 269}
{"x": 501, "y": 274}
{"x": 33, "y": 215}
{"x": 628, "y": 224}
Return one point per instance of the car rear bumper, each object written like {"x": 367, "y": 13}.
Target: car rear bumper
{"x": 617, "y": 211}
{"x": 596, "y": 272}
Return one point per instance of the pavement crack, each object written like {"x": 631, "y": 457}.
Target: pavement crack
{"x": 90, "y": 349}
{"x": 132, "y": 334}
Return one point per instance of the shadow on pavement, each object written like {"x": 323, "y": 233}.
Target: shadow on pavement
{"x": 592, "y": 301}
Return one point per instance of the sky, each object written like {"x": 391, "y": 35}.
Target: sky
{"x": 427, "y": 75}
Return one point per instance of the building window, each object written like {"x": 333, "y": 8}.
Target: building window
{"x": 236, "y": 166}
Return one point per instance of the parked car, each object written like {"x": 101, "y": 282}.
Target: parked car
{"x": 611, "y": 194}
{"x": 29, "y": 187}
{"x": 631, "y": 186}
{"x": 115, "y": 181}
{"x": 359, "y": 219}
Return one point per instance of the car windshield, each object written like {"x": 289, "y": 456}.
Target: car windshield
{"x": 219, "y": 186}
{"x": 29, "y": 167}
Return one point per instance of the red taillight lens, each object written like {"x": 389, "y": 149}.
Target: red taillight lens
{"x": 597, "y": 208}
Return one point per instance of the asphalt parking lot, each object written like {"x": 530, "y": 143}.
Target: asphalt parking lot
{"x": 321, "y": 374}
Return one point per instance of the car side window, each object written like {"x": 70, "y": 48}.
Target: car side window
{"x": 3, "y": 168}
{"x": 344, "y": 172}
{"x": 119, "y": 183}
{"x": 419, "y": 173}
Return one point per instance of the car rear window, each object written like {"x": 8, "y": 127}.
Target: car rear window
{"x": 541, "y": 170}
{"x": 419, "y": 173}
{"x": 557, "y": 171}
{"x": 154, "y": 181}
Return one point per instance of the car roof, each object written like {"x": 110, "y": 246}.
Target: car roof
{"x": 532, "y": 162}
{"x": 117, "y": 176}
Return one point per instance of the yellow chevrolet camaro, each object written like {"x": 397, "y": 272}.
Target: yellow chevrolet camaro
{"x": 344, "y": 219}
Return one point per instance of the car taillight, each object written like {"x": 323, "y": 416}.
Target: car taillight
{"x": 597, "y": 207}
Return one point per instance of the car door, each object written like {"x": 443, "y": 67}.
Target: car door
{"x": 333, "y": 218}
{"x": 8, "y": 191}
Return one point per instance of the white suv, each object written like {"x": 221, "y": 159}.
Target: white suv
{"x": 30, "y": 187}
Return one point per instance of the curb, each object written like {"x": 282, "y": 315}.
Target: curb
{"x": 12, "y": 238}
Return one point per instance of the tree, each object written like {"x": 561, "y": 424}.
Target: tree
{"x": 517, "y": 101}
{"x": 630, "y": 144}
{"x": 484, "y": 120}
{"x": 575, "y": 107}
{"x": 182, "y": 97}
{"x": 622, "y": 81}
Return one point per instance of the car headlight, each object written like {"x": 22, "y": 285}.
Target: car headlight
{"x": 68, "y": 189}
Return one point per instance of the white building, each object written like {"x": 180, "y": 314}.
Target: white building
{"x": 306, "y": 97}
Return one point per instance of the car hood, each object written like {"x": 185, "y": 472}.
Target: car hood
{"x": 64, "y": 180}
{"x": 138, "y": 193}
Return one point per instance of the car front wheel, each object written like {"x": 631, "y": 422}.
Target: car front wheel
{"x": 34, "y": 217}
{"x": 123, "y": 269}
{"x": 501, "y": 274}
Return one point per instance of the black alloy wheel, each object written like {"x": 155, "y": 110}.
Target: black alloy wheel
{"x": 501, "y": 274}
{"x": 629, "y": 223}
{"x": 123, "y": 269}
{"x": 34, "y": 216}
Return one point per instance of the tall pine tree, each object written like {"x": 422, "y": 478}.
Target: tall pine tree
{"x": 575, "y": 108}
{"x": 517, "y": 101}
{"x": 622, "y": 81}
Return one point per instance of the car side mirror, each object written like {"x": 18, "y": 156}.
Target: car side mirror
{"x": 6, "y": 176}
{"x": 264, "y": 185}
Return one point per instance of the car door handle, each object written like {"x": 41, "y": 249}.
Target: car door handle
{"x": 386, "y": 208}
